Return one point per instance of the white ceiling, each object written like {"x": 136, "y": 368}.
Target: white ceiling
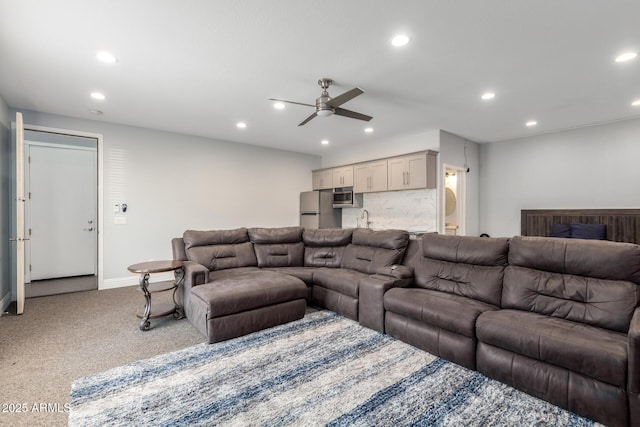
{"x": 199, "y": 66}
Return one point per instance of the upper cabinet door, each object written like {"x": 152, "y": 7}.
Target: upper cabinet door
{"x": 412, "y": 171}
{"x": 362, "y": 173}
{"x": 416, "y": 167}
{"x": 343, "y": 177}
{"x": 322, "y": 179}
{"x": 370, "y": 177}
{"x": 397, "y": 175}
{"x": 379, "y": 175}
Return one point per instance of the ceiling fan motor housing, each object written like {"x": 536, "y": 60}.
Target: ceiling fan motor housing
{"x": 322, "y": 108}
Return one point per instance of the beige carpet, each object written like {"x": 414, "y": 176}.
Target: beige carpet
{"x": 64, "y": 337}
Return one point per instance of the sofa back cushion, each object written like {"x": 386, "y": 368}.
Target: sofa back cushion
{"x": 324, "y": 247}
{"x": 370, "y": 250}
{"x": 278, "y": 247}
{"x": 591, "y": 282}
{"x": 471, "y": 267}
{"x": 219, "y": 249}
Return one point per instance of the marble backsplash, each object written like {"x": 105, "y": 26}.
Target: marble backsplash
{"x": 411, "y": 210}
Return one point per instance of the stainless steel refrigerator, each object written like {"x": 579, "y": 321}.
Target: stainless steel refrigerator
{"x": 317, "y": 211}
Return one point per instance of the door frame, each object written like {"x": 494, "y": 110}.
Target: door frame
{"x": 461, "y": 198}
{"x": 100, "y": 194}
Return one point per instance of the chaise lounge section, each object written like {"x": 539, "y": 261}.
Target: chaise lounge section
{"x": 243, "y": 280}
{"x": 234, "y": 297}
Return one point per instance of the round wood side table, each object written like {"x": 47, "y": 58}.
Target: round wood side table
{"x": 144, "y": 269}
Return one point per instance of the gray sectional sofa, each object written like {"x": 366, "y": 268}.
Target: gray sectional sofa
{"x": 556, "y": 318}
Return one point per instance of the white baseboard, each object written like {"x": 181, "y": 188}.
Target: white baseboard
{"x": 4, "y": 302}
{"x": 121, "y": 282}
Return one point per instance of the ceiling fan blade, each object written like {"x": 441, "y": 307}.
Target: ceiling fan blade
{"x": 291, "y": 102}
{"x": 352, "y": 114}
{"x": 308, "y": 119}
{"x": 347, "y": 96}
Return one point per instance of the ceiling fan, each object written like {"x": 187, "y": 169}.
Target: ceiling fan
{"x": 327, "y": 106}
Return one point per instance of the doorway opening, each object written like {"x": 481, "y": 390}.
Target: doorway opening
{"x": 453, "y": 207}
{"x": 61, "y": 212}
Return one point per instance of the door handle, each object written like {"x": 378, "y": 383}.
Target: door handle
{"x": 88, "y": 229}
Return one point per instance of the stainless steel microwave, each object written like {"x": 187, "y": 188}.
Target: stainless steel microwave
{"x": 345, "y": 198}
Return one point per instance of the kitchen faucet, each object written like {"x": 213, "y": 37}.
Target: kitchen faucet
{"x": 366, "y": 224}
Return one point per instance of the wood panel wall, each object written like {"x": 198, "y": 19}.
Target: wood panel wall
{"x": 623, "y": 225}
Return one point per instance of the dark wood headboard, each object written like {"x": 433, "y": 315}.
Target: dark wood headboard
{"x": 623, "y": 225}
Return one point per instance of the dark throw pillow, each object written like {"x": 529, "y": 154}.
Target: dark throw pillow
{"x": 589, "y": 231}
{"x": 560, "y": 230}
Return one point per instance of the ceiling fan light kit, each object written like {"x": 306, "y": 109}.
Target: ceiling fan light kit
{"x": 327, "y": 106}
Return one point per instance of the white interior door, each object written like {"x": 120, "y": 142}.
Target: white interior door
{"x": 62, "y": 211}
{"x": 19, "y": 214}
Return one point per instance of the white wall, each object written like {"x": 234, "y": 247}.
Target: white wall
{"x": 590, "y": 167}
{"x": 452, "y": 153}
{"x": 5, "y": 182}
{"x": 175, "y": 182}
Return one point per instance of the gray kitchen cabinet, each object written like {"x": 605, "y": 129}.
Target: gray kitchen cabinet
{"x": 370, "y": 177}
{"x": 412, "y": 171}
{"x": 322, "y": 179}
{"x": 343, "y": 176}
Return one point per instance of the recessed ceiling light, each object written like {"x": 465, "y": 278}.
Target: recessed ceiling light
{"x": 279, "y": 105}
{"x": 368, "y": 130}
{"x": 488, "y": 95}
{"x": 627, "y": 56}
{"x": 96, "y": 112}
{"x": 106, "y": 57}
{"x": 241, "y": 125}
{"x": 99, "y": 96}
{"x": 324, "y": 142}
{"x": 636, "y": 103}
{"x": 531, "y": 123}
{"x": 400, "y": 40}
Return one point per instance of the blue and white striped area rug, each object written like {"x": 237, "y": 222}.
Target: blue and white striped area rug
{"x": 321, "y": 370}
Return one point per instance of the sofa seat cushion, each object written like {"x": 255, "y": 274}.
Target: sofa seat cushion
{"x": 594, "y": 352}
{"x": 341, "y": 280}
{"x": 441, "y": 309}
{"x": 303, "y": 273}
{"x": 247, "y": 290}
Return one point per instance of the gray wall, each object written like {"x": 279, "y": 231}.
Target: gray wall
{"x": 175, "y": 182}
{"x": 590, "y": 167}
{"x": 5, "y": 202}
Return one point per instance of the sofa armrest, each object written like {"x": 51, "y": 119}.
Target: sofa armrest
{"x": 195, "y": 274}
{"x": 371, "y": 299}
{"x": 633, "y": 351}
{"x": 396, "y": 271}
